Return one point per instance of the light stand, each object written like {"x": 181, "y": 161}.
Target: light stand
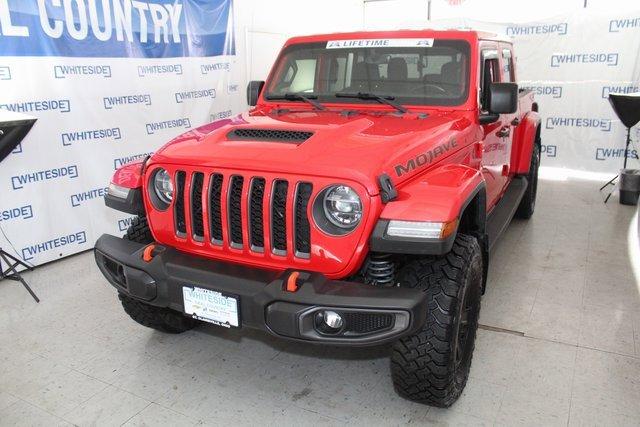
{"x": 13, "y": 128}
{"x": 627, "y": 108}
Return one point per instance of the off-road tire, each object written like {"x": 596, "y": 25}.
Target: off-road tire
{"x": 528, "y": 202}
{"x": 139, "y": 231}
{"x": 162, "y": 319}
{"x": 432, "y": 365}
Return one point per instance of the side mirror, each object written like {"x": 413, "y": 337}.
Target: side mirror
{"x": 503, "y": 98}
{"x": 253, "y": 92}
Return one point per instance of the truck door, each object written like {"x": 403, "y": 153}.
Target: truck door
{"x": 496, "y": 150}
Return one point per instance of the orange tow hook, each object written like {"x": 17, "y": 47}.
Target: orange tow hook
{"x": 292, "y": 282}
{"x": 147, "y": 254}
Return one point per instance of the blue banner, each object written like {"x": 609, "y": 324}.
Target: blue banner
{"x": 116, "y": 28}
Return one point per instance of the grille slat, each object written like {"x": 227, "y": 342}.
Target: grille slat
{"x": 279, "y": 217}
{"x": 256, "y": 217}
{"x": 235, "y": 211}
{"x": 180, "y": 214}
{"x": 302, "y": 226}
{"x": 274, "y": 135}
{"x": 197, "y": 221}
{"x": 215, "y": 208}
{"x": 363, "y": 323}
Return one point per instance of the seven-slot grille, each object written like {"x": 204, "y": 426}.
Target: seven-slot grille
{"x": 229, "y": 205}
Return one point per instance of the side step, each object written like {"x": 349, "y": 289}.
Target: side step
{"x": 505, "y": 209}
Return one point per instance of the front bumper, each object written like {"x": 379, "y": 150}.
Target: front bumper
{"x": 373, "y": 315}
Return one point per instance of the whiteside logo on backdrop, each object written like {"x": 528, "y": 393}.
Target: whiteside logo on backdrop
{"x": 145, "y": 70}
{"x": 608, "y": 58}
{"x": 535, "y": 30}
{"x": 5, "y": 73}
{"x": 615, "y": 153}
{"x": 554, "y": 91}
{"x": 629, "y": 88}
{"x": 194, "y": 94}
{"x": 168, "y": 124}
{"x": 19, "y": 181}
{"x": 220, "y": 115}
{"x": 31, "y": 251}
{"x": 59, "y": 105}
{"x": 64, "y": 71}
{"x": 579, "y": 122}
{"x": 18, "y": 149}
{"x": 124, "y": 224}
{"x": 617, "y": 25}
{"x": 117, "y": 101}
{"x": 121, "y": 161}
{"x": 208, "y": 68}
{"x": 68, "y": 138}
{"x": 79, "y": 198}
{"x": 22, "y": 212}
{"x": 549, "y": 150}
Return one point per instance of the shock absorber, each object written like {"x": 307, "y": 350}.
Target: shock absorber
{"x": 380, "y": 270}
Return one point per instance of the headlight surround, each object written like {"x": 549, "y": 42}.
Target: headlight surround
{"x": 342, "y": 206}
{"x": 162, "y": 188}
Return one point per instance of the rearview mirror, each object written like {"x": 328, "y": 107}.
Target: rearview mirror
{"x": 253, "y": 92}
{"x": 503, "y": 98}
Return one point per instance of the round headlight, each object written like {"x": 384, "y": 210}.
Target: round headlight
{"x": 163, "y": 186}
{"x": 342, "y": 206}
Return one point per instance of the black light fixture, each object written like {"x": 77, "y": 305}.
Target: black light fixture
{"x": 627, "y": 108}
{"x": 13, "y": 128}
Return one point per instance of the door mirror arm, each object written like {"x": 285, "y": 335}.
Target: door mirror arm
{"x": 486, "y": 118}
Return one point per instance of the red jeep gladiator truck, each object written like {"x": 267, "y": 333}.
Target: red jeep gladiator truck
{"x": 355, "y": 204}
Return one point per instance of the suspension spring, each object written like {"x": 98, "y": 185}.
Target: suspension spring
{"x": 380, "y": 270}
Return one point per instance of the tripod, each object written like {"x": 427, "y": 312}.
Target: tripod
{"x": 626, "y": 152}
{"x": 12, "y": 274}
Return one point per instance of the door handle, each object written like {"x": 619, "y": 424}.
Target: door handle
{"x": 504, "y": 132}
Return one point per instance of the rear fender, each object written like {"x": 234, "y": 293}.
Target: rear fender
{"x": 525, "y": 136}
{"x": 441, "y": 195}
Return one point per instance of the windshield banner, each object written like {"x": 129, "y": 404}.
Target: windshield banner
{"x": 363, "y": 43}
{"x": 116, "y": 28}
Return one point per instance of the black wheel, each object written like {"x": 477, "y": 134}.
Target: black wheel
{"x": 162, "y": 319}
{"x": 139, "y": 231}
{"x": 528, "y": 202}
{"x": 432, "y": 365}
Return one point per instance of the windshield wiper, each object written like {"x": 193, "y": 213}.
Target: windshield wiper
{"x": 383, "y": 99}
{"x": 290, "y": 96}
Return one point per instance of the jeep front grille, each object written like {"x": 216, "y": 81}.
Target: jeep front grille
{"x": 223, "y": 197}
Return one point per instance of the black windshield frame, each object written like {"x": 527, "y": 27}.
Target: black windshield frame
{"x": 312, "y": 51}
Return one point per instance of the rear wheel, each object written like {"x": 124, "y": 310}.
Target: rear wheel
{"x": 528, "y": 202}
{"x": 161, "y": 319}
{"x": 432, "y": 365}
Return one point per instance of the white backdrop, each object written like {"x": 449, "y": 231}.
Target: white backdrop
{"x": 98, "y": 113}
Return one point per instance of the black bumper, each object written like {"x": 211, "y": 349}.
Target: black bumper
{"x": 372, "y": 315}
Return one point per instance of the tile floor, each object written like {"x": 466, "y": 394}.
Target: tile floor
{"x": 560, "y": 346}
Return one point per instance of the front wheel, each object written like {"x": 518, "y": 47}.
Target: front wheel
{"x": 432, "y": 365}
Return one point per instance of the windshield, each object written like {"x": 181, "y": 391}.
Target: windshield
{"x": 410, "y": 71}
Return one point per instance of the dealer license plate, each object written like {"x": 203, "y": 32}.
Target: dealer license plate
{"x": 211, "y": 306}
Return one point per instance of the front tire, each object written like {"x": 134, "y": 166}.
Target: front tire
{"x": 161, "y": 319}
{"x": 432, "y": 365}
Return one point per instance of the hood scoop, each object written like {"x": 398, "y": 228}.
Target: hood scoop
{"x": 270, "y": 135}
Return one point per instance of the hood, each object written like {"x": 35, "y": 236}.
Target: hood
{"x": 359, "y": 146}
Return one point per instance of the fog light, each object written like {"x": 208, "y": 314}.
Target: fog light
{"x": 329, "y": 322}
